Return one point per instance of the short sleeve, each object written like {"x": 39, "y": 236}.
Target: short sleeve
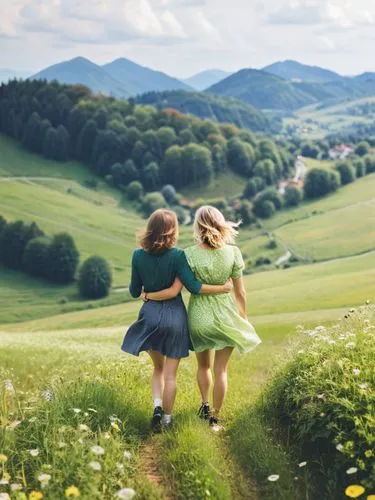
{"x": 238, "y": 265}
{"x": 135, "y": 287}
{"x": 186, "y": 275}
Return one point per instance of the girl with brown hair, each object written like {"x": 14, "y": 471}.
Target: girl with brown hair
{"x": 162, "y": 328}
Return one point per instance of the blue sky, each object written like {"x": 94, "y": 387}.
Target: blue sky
{"x": 182, "y": 37}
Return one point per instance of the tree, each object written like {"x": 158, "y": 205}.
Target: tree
{"x": 370, "y": 164}
{"x": 219, "y": 158}
{"x": 197, "y": 165}
{"x": 13, "y": 239}
{"x": 250, "y": 189}
{"x": 63, "y": 259}
{"x": 151, "y": 176}
{"x": 152, "y": 202}
{"x": 171, "y": 168}
{"x": 86, "y": 140}
{"x": 61, "y": 144}
{"x": 186, "y": 136}
{"x": 270, "y": 194}
{"x": 266, "y": 209}
{"x": 167, "y": 137}
{"x": 95, "y": 278}
{"x": 49, "y": 144}
{"x": 267, "y": 171}
{"x": 347, "y": 172}
{"x": 3, "y": 223}
{"x": 180, "y": 212}
{"x": 134, "y": 191}
{"x": 293, "y": 195}
{"x": 309, "y": 150}
{"x": 169, "y": 194}
{"x": 240, "y": 156}
{"x": 360, "y": 167}
{"x": 320, "y": 181}
{"x": 245, "y": 212}
{"x": 362, "y": 148}
{"x": 36, "y": 257}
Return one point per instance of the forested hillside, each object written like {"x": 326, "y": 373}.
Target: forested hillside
{"x": 125, "y": 143}
{"x": 206, "y": 105}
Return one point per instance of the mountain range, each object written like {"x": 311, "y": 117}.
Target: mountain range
{"x": 282, "y": 86}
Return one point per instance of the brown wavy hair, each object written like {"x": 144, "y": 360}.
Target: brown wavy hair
{"x": 161, "y": 233}
{"x": 211, "y": 228}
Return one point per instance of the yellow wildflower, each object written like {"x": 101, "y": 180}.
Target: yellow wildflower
{"x": 371, "y": 497}
{"x": 115, "y": 426}
{"x": 369, "y": 453}
{"x": 3, "y": 458}
{"x": 72, "y": 491}
{"x": 354, "y": 491}
{"x": 36, "y": 495}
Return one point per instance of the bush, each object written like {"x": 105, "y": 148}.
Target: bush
{"x": 362, "y": 148}
{"x": 347, "y": 172}
{"x": 360, "y": 167}
{"x": 63, "y": 259}
{"x": 36, "y": 257}
{"x": 250, "y": 189}
{"x": 320, "y": 181}
{"x": 169, "y": 194}
{"x": 322, "y": 402}
{"x": 91, "y": 183}
{"x": 293, "y": 196}
{"x": 181, "y": 213}
{"x": 265, "y": 210}
{"x": 245, "y": 213}
{"x": 370, "y": 164}
{"x": 263, "y": 261}
{"x": 134, "y": 191}
{"x": 3, "y": 223}
{"x": 95, "y": 278}
{"x": 153, "y": 201}
{"x": 13, "y": 240}
{"x": 272, "y": 244}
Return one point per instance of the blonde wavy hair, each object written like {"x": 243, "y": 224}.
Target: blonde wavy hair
{"x": 211, "y": 228}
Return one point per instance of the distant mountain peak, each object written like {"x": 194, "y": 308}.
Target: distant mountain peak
{"x": 206, "y": 78}
{"x": 294, "y": 70}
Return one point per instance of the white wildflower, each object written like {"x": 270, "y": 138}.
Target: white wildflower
{"x": 356, "y": 371}
{"x": 92, "y": 410}
{"x": 13, "y": 425}
{"x": 302, "y": 464}
{"x": 32, "y": 420}
{"x": 363, "y": 386}
{"x": 9, "y": 386}
{"x": 44, "y": 479}
{"x": 4, "y": 482}
{"x": 322, "y": 414}
{"x": 120, "y": 466}
{"x": 4, "y": 496}
{"x": 273, "y": 477}
{"x": 352, "y": 470}
{"x": 84, "y": 428}
{"x": 34, "y": 452}
{"x": 340, "y": 447}
{"x": 125, "y": 494}
{"x": 97, "y": 450}
{"x": 127, "y": 455}
{"x": 350, "y": 345}
{"x": 107, "y": 435}
{"x": 61, "y": 445}
{"x": 15, "y": 487}
{"x": 95, "y": 466}
{"x": 320, "y": 396}
{"x": 76, "y": 410}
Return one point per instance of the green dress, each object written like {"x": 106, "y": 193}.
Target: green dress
{"x": 214, "y": 320}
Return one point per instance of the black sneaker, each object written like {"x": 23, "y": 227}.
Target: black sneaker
{"x": 204, "y": 411}
{"x": 214, "y": 422}
{"x": 156, "y": 419}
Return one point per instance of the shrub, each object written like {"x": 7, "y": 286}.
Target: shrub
{"x": 245, "y": 213}
{"x": 181, "y": 213}
{"x": 266, "y": 209}
{"x": 322, "y": 402}
{"x": 169, "y": 194}
{"x": 360, "y": 167}
{"x": 263, "y": 261}
{"x": 3, "y": 223}
{"x": 320, "y": 181}
{"x": 271, "y": 194}
{"x": 272, "y": 244}
{"x": 347, "y": 172}
{"x": 362, "y": 148}
{"x": 370, "y": 164}
{"x": 36, "y": 257}
{"x": 91, "y": 183}
{"x": 293, "y": 196}
{"x": 63, "y": 259}
{"x": 134, "y": 191}
{"x": 250, "y": 189}
{"x": 13, "y": 240}
{"x": 153, "y": 201}
{"x": 95, "y": 278}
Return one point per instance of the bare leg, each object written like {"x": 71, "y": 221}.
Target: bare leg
{"x": 157, "y": 382}
{"x": 204, "y": 375}
{"x": 221, "y": 377}
{"x": 170, "y": 387}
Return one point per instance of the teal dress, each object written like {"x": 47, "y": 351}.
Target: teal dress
{"x": 161, "y": 326}
{"x": 214, "y": 320}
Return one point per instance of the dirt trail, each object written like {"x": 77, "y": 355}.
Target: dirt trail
{"x": 150, "y": 456}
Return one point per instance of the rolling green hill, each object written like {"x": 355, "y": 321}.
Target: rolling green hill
{"x": 293, "y": 70}
{"x": 262, "y": 90}
{"x": 206, "y": 105}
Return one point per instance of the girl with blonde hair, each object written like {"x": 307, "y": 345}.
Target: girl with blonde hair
{"x": 217, "y": 323}
{"x": 162, "y": 328}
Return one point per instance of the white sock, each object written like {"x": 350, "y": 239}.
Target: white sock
{"x": 167, "y": 419}
{"x": 158, "y": 402}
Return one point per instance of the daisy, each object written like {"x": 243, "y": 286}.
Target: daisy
{"x": 339, "y": 447}
{"x": 15, "y": 487}
{"x": 34, "y": 453}
{"x": 84, "y": 428}
{"x": 356, "y": 371}
{"x": 302, "y": 464}
{"x": 126, "y": 494}
{"x": 273, "y": 477}
{"x": 95, "y": 466}
{"x": 127, "y": 455}
{"x": 97, "y": 450}
{"x": 352, "y": 470}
